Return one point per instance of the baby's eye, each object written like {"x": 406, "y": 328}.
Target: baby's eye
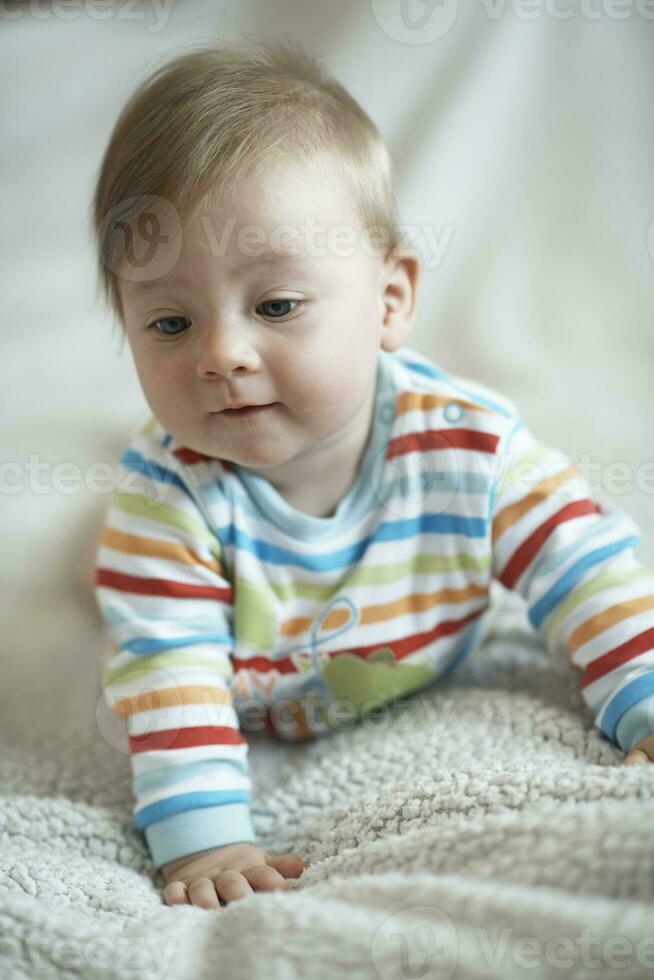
{"x": 166, "y": 321}
{"x": 278, "y": 306}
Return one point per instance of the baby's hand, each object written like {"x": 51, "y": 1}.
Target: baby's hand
{"x": 642, "y": 752}
{"x": 226, "y": 874}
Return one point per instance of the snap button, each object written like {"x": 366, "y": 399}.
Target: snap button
{"x": 452, "y": 411}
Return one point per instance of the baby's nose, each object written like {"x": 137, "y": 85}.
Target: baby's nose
{"x": 225, "y": 352}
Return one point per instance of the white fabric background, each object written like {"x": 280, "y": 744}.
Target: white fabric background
{"x": 525, "y": 143}
{"x": 529, "y": 145}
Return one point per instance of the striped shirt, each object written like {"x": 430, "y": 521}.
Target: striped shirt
{"x": 228, "y": 610}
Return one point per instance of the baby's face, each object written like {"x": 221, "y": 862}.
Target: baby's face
{"x": 297, "y": 329}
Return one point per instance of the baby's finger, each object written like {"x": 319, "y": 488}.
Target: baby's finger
{"x": 636, "y": 758}
{"x": 264, "y": 878}
{"x": 175, "y": 893}
{"x": 288, "y": 865}
{"x": 231, "y": 885}
{"x": 202, "y": 892}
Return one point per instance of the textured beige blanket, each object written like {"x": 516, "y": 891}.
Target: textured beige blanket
{"x": 483, "y": 828}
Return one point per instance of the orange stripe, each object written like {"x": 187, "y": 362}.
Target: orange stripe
{"x": 507, "y": 517}
{"x": 135, "y": 544}
{"x": 410, "y": 401}
{"x": 417, "y": 602}
{"x": 604, "y": 620}
{"x": 400, "y": 648}
{"x": 170, "y": 697}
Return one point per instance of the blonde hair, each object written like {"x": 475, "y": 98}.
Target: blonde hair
{"x": 218, "y": 114}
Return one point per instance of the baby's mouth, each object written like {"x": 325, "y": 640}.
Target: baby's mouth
{"x": 245, "y": 412}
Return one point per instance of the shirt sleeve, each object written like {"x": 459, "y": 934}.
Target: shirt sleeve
{"x": 573, "y": 559}
{"x": 164, "y": 596}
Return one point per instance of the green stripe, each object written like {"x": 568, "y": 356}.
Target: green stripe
{"x": 535, "y": 454}
{"x": 612, "y": 576}
{"x": 148, "y": 426}
{"x": 424, "y": 564}
{"x": 150, "y": 663}
{"x": 143, "y": 506}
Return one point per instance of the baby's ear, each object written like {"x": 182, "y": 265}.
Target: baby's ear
{"x": 400, "y": 282}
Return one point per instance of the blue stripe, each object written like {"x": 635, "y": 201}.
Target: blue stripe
{"x": 148, "y": 644}
{"x": 188, "y": 801}
{"x": 471, "y": 527}
{"x": 602, "y": 525}
{"x": 412, "y": 485}
{"x": 159, "y": 778}
{"x": 431, "y": 372}
{"x": 639, "y": 688}
{"x": 565, "y": 585}
{"x": 470, "y": 640}
{"x": 137, "y": 462}
{"x": 408, "y": 485}
{"x": 636, "y": 723}
{"x": 115, "y": 615}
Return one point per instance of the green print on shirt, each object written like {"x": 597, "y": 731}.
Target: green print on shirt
{"x": 361, "y": 682}
{"x": 379, "y": 678}
{"x": 255, "y": 618}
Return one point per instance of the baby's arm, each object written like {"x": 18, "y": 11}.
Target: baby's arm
{"x": 162, "y": 591}
{"x": 590, "y": 599}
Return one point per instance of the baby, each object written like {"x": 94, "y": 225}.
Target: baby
{"x": 309, "y": 524}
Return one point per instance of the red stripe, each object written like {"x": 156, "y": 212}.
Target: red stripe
{"x": 618, "y": 656}
{"x": 401, "y": 648}
{"x": 529, "y": 548}
{"x": 185, "y": 738}
{"x": 190, "y": 456}
{"x": 186, "y": 455}
{"x": 484, "y": 442}
{"x": 160, "y": 586}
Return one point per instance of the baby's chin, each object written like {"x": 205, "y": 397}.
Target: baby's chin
{"x": 234, "y": 441}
